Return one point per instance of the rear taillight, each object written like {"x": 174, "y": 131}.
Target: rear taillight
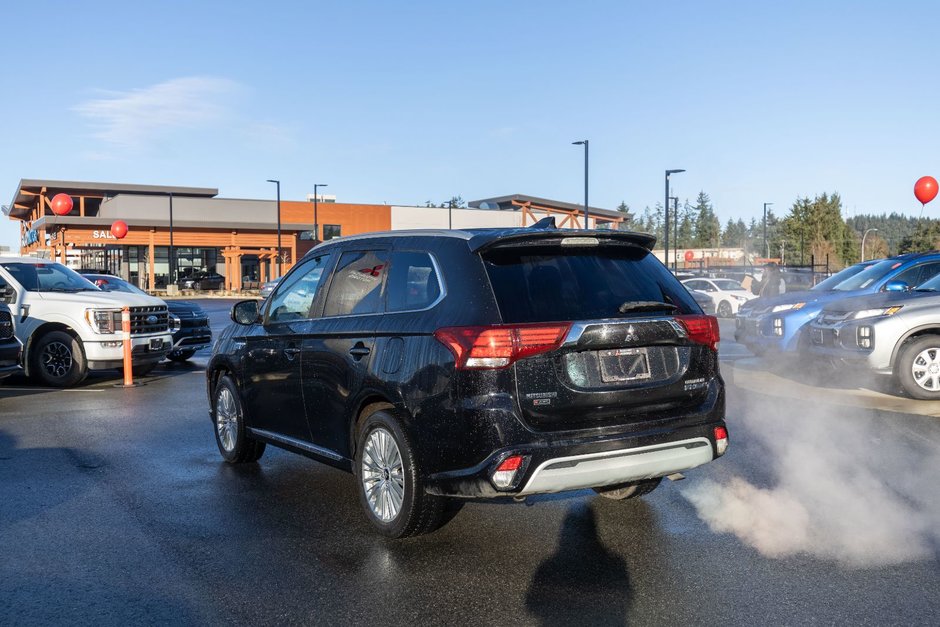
{"x": 702, "y": 329}
{"x": 721, "y": 440}
{"x": 505, "y": 474}
{"x": 501, "y": 345}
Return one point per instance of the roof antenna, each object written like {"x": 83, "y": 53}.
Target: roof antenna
{"x": 545, "y": 223}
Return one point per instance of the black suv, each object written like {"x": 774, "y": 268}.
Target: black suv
{"x": 478, "y": 363}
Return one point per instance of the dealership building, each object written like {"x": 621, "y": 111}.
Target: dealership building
{"x": 234, "y": 237}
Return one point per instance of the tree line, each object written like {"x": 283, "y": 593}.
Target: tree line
{"x": 813, "y": 230}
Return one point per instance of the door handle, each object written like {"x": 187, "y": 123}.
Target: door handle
{"x": 359, "y": 351}
{"x": 291, "y": 352}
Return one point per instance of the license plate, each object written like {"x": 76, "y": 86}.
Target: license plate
{"x": 818, "y": 336}
{"x": 624, "y": 364}
{"x": 156, "y": 343}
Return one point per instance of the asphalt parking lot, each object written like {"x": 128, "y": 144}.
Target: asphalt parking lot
{"x": 116, "y": 507}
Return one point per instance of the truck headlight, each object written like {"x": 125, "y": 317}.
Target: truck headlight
{"x": 101, "y": 320}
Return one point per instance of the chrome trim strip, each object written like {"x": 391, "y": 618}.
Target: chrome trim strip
{"x": 289, "y": 441}
{"x": 578, "y": 328}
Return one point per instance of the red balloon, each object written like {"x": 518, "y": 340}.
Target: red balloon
{"x": 689, "y": 255}
{"x": 61, "y": 204}
{"x": 925, "y": 189}
{"x": 119, "y": 229}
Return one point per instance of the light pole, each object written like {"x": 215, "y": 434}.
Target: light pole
{"x": 278, "y": 183}
{"x": 766, "y": 243}
{"x": 675, "y": 232}
{"x": 172, "y": 250}
{"x": 666, "y": 217}
{"x": 585, "y": 144}
{"x": 863, "y": 241}
{"x": 316, "y": 221}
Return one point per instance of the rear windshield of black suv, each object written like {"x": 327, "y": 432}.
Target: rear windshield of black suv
{"x": 556, "y": 284}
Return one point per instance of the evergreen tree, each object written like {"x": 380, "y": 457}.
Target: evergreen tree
{"x": 686, "y": 226}
{"x": 735, "y": 234}
{"x": 707, "y": 226}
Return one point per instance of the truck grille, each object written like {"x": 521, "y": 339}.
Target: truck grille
{"x": 6, "y": 325}
{"x": 149, "y": 320}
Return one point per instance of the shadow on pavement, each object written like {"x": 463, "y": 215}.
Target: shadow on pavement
{"x": 582, "y": 582}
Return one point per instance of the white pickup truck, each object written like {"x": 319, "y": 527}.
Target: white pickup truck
{"x": 68, "y": 326}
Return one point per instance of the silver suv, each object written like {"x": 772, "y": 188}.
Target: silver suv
{"x": 890, "y": 333}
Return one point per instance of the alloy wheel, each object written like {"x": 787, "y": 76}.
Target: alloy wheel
{"x": 57, "y": 359}
{"x": 226, "y": 418}
{"x": 383, "y": 478}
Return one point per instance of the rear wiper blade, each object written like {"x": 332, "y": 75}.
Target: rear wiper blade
{"x": 645, "y": 305}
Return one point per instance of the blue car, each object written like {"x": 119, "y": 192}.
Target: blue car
{"x": 775, "y": 325}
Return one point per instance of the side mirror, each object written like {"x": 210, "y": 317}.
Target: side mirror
{"x": 245, "y": 312}
{"x": 897, "y": 286}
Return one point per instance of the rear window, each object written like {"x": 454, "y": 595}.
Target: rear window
{"x": 551, "y": 285}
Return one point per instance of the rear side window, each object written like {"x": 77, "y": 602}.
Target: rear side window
{"x": 357, "y": 284}
{"x": 412, "y": 282}
{"x": 563, "y": 285}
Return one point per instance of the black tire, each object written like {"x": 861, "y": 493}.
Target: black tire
{"x": 180, "y": 356}
{"x": 232, "y": 438}
{"x": 626, "y": 491}
{"x": 58, "y": 360}
{"x": 724, "y": 309}
{"x": 419, "y": 512}
{"x": 914, "y": 350}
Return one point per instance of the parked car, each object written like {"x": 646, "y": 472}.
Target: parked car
{"x": 202, "y": 281}
{"x": 268, "y": 287}
{"x": 188, "y": 321}
{"x": 525, "y": 361}
{"x": 889, "y": 333}
{"x": 704, "y": 301}
{"x": 775, "y": 324}
{"x": 68, "y": 326}
{"x": 10, "y": 347}
{"x": 726, "y": 294}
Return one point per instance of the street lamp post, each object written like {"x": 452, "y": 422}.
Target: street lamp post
{"x": 863, "y": 241}
{"x": 766, "y": 243}
{"x": 278, "y": 183}
{"x": 316, "y": 221}
{"x": 172, "y": 249}
{"x": 675, "y": 232}
{"x": 666, "y": 218}
{"x": 585, "y": 144}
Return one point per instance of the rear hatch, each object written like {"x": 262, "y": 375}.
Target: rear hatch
{"x": 633, "y": 345}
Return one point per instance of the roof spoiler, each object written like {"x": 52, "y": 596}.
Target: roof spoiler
{"x": 535, "y": 234}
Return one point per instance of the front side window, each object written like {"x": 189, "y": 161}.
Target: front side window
{"x": 48, "y": 277}
{"x": 918, "y": 274}
{"x": 357, "y": 284}
{"x": 294, "y": 298}
{"x": 413, "y": 283}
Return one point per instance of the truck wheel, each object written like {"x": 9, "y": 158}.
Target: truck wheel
{"x": 180, "y": 356}
{"x": 57, "y": 360}
{"x": 918, "y": 367}
{"x": 229, "y": 420}
{"x": 629, "y": 490}
{"x": 389, "y": 478}
{"x": 724, "y": 309}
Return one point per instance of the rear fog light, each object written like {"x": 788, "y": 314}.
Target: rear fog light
{"x": 721, "y": 440}
{"x": 505, "y": 474}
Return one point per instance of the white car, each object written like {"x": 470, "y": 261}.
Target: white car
{"x": 726, "y": 294}
{"x": 68, "y": 326}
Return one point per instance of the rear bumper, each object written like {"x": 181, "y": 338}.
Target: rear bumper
{"x": 584, "y": 463}
{"x": 593, "y": 470}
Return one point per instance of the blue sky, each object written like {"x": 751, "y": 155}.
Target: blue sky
{"x": 405, "y": 102}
